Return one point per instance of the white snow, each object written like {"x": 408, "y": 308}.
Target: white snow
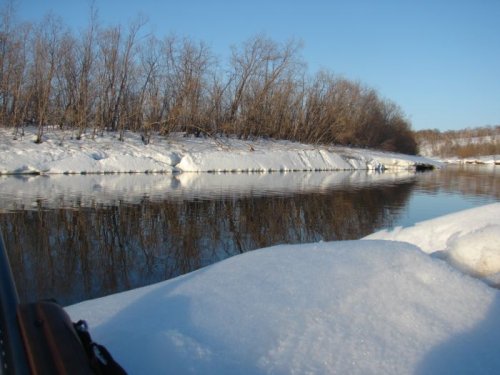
{"x": 488, "y": 160}
{"x": 469, "y": 240}
{"x": 347, "y": 307}
{"x": 61, "y": 153}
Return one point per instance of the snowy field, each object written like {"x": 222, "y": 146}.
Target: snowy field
{"x": 372, "y": 306}
{"x": 61, "y": 153}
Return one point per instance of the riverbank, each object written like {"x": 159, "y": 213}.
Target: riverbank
{"x": 367, "y": 306}
{"x": 480, "y": 160}
{"x": 60, "y": 153}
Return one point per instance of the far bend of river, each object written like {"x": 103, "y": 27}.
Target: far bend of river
{"x": 78, "y": 237}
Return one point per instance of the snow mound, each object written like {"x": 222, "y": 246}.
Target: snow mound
{"x": 433, "y": 235}
{"x": 469, "y": 240}
{"x": 348, "y": 307}
{"x": 477, "y": 252}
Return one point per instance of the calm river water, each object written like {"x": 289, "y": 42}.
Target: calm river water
{"x": 78, "y": 237}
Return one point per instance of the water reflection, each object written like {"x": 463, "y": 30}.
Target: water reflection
{"x": 80, "y": 237}
{"x": 29, "y": 192}
{"x": 472, "y": 180}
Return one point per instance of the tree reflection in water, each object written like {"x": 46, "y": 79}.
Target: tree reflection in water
{"x": 83, "y": 252}
{"x": 473, "y": 180}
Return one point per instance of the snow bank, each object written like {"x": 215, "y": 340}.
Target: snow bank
{"x": 61, "y": 153}
{"x": 469, "y": 240}
{"x": 266, "y": 155}
{"x": 481, "y": 160}
{"x": 348, "y": 307}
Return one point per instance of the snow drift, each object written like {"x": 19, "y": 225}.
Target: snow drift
{"x": 469, "y": 240}
{"x": 356, "y": 307}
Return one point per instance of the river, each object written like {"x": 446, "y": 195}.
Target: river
{"x": 76, "y": 237}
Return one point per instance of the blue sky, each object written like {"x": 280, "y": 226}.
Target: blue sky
{"x": 438, "y": 59}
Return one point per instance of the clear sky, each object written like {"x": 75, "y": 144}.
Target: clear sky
{"x": 438, "y": 59}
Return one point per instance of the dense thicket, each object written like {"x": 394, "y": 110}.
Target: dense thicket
{"x": 116, "y": 78}
{"x": 462, "y": 143}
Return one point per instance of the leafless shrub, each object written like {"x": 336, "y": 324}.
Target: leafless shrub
{"x": 117, "y": 79}
{"x": 465, "y": 143}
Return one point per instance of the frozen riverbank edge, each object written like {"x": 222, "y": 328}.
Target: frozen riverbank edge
{"x": 371, "y": 306}
{"x": 60, "y": 153}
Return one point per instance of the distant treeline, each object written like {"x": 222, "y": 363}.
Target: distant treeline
{"x": 115, "y": 79}
{"x": 465, "y": 143}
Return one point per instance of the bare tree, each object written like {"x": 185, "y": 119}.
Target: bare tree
{"x": 114, "y": 79}
{"x": 45, "y": 58}
{"x": 116, "y": 66}
{"x": 149, "y": 114}
{"x": 188, "y": 65}
{"x": 85, "y": 72}
{"x": 217, "y": 103}
{"x": 126, "y": 67}
{"x": 245, "y": 65}
{"x": 6, "y": 45}
{"x": 108, "y": 59}
{"x": 66, "y": 83}
{"x": 13, "y": 65}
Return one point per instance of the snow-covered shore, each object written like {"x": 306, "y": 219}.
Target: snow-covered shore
{"x": 61, "y": 153}
{"x": 428, "y": 151}
{"x": 480, "y": 160}
{"x": 348, "y": 307}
